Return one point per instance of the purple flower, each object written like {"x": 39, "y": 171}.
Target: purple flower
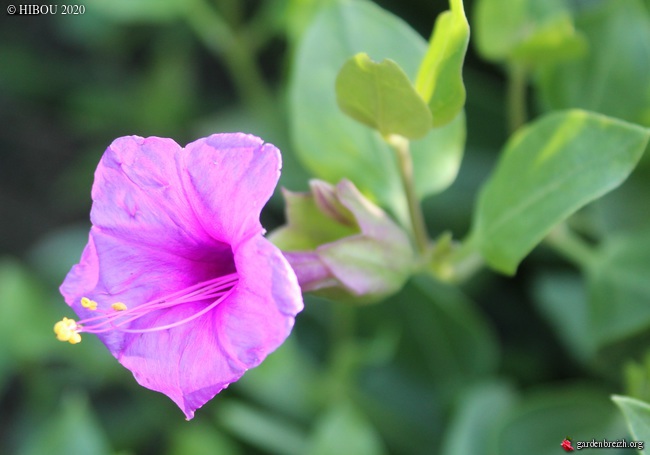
{"x": 177, "y": 279}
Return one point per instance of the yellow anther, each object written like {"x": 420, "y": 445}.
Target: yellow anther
{"x": 87, "y": 303}
{"x": 66, "y": 330}
{"x": 118, "y": 306}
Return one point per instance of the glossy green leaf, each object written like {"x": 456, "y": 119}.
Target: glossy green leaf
{"x": 619, "y": 289}
{"x": 637, "y": 416}
{"x": 613, "y": 78}
{"x": 330, "y": 144}
{"x": 344, "y": 429}
{"x": 381, "y": 96}
{"x": 440, "y": 77}
{"x": 526, "y": 31}
{"x": 547, "y": 171}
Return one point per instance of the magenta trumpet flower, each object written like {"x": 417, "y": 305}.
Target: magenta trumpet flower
{"x": 177, "y": 279}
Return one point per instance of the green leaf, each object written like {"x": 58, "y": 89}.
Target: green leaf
{"x": 343, "y": 429}
{"x": 450, "y": 335}
{"x": 547, "y": 171}
{"x": 470, "y": 432}
{"x": 544, "y": 418}
{"x": 562, "y": 300}
{"x": 25, "y": 322}
{"x": 330, "y": 144}
{"x": 637, "y": 416}
{"x": 261, "y": 429}
{"x": 74, "y": 431}
{"x": 637, "y": 378}
{"x": 286, "y": 381}
{"x": 554, "y": 41}
{"x": 612, "y": 79}
{"x": 619, "y": 289}
{"x": 381, "y": 96}
{"x": 541, "y": 419}
{"x": 200, "y": 439}
{"x": 55, "y": 252}
{"x": 440, "y": 77}
{"x": 526, "y": 31}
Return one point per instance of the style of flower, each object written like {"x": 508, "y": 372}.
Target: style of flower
{"x": 177, "y": 279}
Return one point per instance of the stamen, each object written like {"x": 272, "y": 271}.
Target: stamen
{"x": 87, "y": 303}
{"x": 66, "y": 330}
{"x": 119, "y": 316}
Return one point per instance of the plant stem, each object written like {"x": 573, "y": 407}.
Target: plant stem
{"x": 571, "y": 246}
{"x": 517, "y": 76}
{"x": 465, "y": 261}
{"x": 405, "y": 163}
{"x": 232, "y": 49}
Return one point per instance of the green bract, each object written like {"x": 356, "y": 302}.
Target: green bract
{"x": 308, "y": 225}
{"x": 547, "y": 171}
{"x": 342, "y": 245}
{"x": 381, "y": 96}
{"x": 440, "y": 77}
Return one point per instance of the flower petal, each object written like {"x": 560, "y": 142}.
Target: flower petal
{"x": 228, "y": 178}
{"x": 138, "y": 196}
{"x": 260, "y": 314}
{"x": 191, "y": 363}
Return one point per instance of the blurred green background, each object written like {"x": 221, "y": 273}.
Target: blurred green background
{"x": 501, "y": 366}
